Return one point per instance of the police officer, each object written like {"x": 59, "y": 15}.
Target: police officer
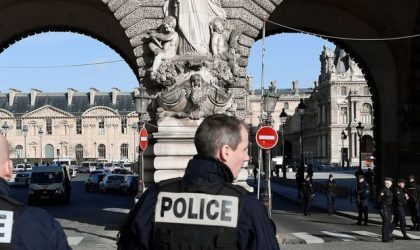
{"x": 307, "y": 195}
{"x": 362, "y": 194}
{"x": 385, "y": 198}
{"x": 413, "y": 202}
{"x": 30, "y": 227}
{"x": 203, "y": 210}
{"x": 330, "y": 187}
{"x": 400, "y": 203}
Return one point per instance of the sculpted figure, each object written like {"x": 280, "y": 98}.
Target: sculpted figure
{"x": 164, "y": 45}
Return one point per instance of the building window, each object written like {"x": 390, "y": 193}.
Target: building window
{"x": 18, "y": 151}
{"x": 286, "y": 105}
{"x": 101, "y": 126}
{"x": 343, "y": 90}
{"x": 18, "y": 127}
{"x": 124, "y": 151}
{"x": 49, "y": 126}
{"x": 79, "y": 126}
{"x": 366, "y": 113}
{"x": 124, "y": 125}
{"x": 79, "y": 152}
{"x": 102, "y": 151}
{"x": 343, "y": 115}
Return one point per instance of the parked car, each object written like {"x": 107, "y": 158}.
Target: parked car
{"x": 19, "y": 168}
{"x": 88, "y": 166}
{"x": 23, "y": 178}
{"x": 112, "y": 182}
{"x": 130, "y": 184}
{"x": 92, "y": 183}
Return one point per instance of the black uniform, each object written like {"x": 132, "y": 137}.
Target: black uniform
{"x": 202, "y": 210}
{"x": 331, "y": 192}
{"x": 400, "y": 203}
{"x": 369, "y": 177}
{"x": 385, "y": 203}
{"x": 413, "y": 203}
{"x": 362, "y": 194}
{"x": 308, "y": 195}
{"x": 32, "y": 228}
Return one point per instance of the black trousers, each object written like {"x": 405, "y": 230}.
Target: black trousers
{"x": 414, "y": 212}
{"x": 307, "y": 205}
{"x": 387, "y": 226}
{"x": 399, "y": 216}
{"x": 331, "y": 203}
{"x": 362, "y": 208}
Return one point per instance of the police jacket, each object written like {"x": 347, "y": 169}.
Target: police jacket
{"x": 362, "y": 190}
{"x": 254, "y": 228}
{"x": 385, "y": 197}
{"x": 331, "y": 187}
{"x": 400, "y": 199}
{"x": 33, "y": 228}
{"x": 413, "y": 191}
{"x": 307, "y": 189}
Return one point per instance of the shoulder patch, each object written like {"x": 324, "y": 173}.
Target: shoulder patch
{"x": 382, "y": 193}
{"x": 6, "y": 226}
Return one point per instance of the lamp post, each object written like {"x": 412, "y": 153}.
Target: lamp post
{"x": 343, "y": 137}
{"x": 94, "y": 148}
{"x": 5, "y": 128}
{"x": 40, "y": 133}
{"x": 283, "y": 119}
{"x": 301, "y": 170}
{"x": 61, "y": 149}
{"x": 134, "y": 126}
{"x": 141, "y": 100}
{"x": 25, "y": 133}
{"x": 359, "y": 129}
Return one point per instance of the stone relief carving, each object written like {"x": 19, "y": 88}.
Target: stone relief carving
{"x": 194, "y": 69}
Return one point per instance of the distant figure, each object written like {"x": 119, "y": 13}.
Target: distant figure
{"x": 28, "y": 227}
{"x": 400, "y": 203}
{"x": 300, "y": 177}
{"x": 330, "y": 187}
{"x": 359, "y": 172}
{"x": 310, "y": 173}
{"x": 255, "y": 171}
{"x": 413, "y": 202}
{"x": 308, "y": 195}
{"x": 362, "y": 194}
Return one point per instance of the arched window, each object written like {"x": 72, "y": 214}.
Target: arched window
{"x": 286, "y": 105}
{"x": 343, "y": 115}
{"x": 79, "y": 152}
{"x": 18, "y": 151}
{"x": 124, "y": 151}
{"x": 102, "y": 151}
{"x": 343, "y": 90}
{"x": 366, "y": 113}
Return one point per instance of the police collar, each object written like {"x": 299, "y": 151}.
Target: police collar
{"x": 208, "y": 169}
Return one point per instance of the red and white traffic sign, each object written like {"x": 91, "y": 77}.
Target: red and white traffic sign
{"x": 267, "y": 137}
{"x": 143, "y": 143}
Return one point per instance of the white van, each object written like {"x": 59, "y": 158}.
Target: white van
{"x": 71, "y": 163}
{"x": 88, "y": 166}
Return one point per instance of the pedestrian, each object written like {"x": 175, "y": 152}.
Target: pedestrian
{"x": 300, "y": 178}
{"x": 307, "y": 195}
{"x": 385, "y": 198}
{"x": 413, "y": 202}
{"x": 362, "y": 194}
{"x": 400, "y": 203}
{"x": 330, "y": 187}
{"x": 24, "y": 227}
{"x": 255, "y": 171}
{"x": 203, "y": 209}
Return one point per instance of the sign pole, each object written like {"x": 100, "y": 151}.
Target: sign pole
{"x": 269, "y": 181}
{"x": 259, "y": 172}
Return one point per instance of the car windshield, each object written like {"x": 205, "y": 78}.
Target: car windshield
{"x": 46, "y": 177}
{"x": 116, "y": 178}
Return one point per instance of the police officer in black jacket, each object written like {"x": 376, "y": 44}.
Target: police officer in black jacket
{"x": 413, "y": 202}
{"x": 385, "y": 198}
{"x": 330, "y": 187}
{"x": 30, "y": 227}
{"x": 362, "y": 194}
{"x": 307, "y": 195}
{"x": 203, "y": 210}
{"x": 400, "y": 203}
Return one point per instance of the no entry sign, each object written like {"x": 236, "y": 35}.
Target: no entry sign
{"x": 266, "y": 137}
{"x": 143, "y": 143}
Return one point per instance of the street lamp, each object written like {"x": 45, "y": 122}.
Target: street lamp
{"x": 359, "y": 129}
{"x": 40, "y": 133}
{"x": 25, "y": 133}
{"x": 283, "y": 119}
{"x": 94, "y": 148}
{"x": 301, "y": 170}
{"x": 5, "y": 128}
{"x": 141, "y": 101}
{"x": 343, "y": 137}
{"x": 270, "y": 101}
{"x": 134, "y": 126}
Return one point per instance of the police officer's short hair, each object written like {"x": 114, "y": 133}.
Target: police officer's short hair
{"x": 216, "y": 131}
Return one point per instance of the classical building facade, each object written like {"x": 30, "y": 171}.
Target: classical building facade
{"x": 82, "y": 126}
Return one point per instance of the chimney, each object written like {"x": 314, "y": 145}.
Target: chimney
{"x": 34, "y": 93}
{"x": 315, "y": 84}
{"x": 250, "y": 86}
{"x": 12, "y": 94}
{"x": 115, "y": 92}
{"x": 92, "y": 94}
{"x": 70, "y": 94}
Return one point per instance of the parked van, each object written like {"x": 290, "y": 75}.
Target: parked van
{"x": 50, "y": 183}
{"x": 88, "y": 166}
{"x": 68, "y": 162}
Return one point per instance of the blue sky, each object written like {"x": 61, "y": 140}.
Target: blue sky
{"x": 288, "y": 57}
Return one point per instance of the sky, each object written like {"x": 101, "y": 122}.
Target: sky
{"x": 289, "y": 57}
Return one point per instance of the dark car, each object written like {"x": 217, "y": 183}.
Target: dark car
{"x": 92, "y": 183}
{"x": 130, "y": 185}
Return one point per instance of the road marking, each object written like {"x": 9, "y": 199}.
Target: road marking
{"x": 74, "y": 241}
{"x": 308, "y": 238}
{"x": 366, "y": 233}
{"x": 117, "y": 210}
{"x": 412, "y": 236}
{"x": 344, "y": 237}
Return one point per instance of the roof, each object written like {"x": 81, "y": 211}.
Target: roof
{"x": 287, "y": 91}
